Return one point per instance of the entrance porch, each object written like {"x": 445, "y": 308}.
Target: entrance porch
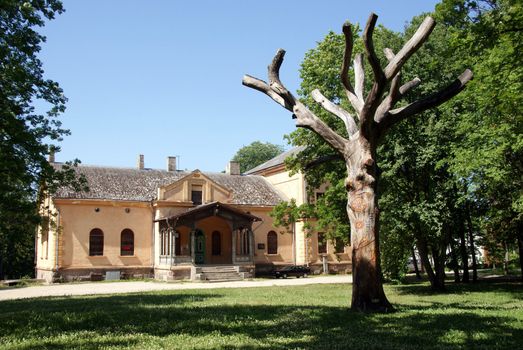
{"x": 213, "y": 234}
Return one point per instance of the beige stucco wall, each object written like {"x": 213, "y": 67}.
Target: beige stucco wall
{"x": 78, "y": 218}
{"x": 290, "y": 186}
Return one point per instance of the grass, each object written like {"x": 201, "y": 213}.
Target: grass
{"x": 480, "y": 316}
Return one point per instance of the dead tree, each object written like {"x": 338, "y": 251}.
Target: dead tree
{"x": 374, "y": 116}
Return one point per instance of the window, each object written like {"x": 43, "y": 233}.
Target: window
{"x": 272, "y": 243}
{"x": 322, "y": 243}
{"x": 216, "y": 243}
{"x": 96, "y": 242}
{"x": 196, "y": 194}
{"x": 165, "y": 242}
{"x": 127, "y": 243}
{"x": 242, "y": 241}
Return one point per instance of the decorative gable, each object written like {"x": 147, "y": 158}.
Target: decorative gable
{"x": 195, "y": 188}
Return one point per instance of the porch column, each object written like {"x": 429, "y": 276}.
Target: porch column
{"x": 251, "y": 246}
{"x": 234, "y": 244}
{"x": 192, "y": 246}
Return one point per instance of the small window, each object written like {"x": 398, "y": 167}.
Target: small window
{"x": 127, "y": 243}
{"x": 216, "y": 243}
{"x": 96, "y": 242}
{"x": 196, "y": 197}
{"x": 272, "y": 243}
{"x": 322, "y": 243}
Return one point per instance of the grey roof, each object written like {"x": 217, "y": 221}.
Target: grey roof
{"x": 141, "y": 185}
{"x": 279, "y": 159}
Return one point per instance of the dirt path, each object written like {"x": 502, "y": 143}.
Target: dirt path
{"x": 139, "y": 286}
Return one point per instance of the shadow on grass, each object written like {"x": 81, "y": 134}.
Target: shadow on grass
{"x": 514, "y": 288}
{"x": 108, "y": 321}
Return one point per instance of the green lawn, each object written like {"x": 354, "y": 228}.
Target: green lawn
{"x": 487, "y": 315}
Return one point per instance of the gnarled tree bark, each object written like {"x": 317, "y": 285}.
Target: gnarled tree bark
{"x": 376, "y": 116}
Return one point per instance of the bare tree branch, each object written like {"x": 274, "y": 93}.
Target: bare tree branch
{"x": 345, "y": 81}
{"x": 409, "y": 85}
{"x": 359, "y": 77}
{"x": 369, "y": 48}
{"x": 304, "y": 117}
{"x": 333, "y": 108}
{"x": 373, "y": 98}
{"x": 410, "y": 47}
{"x": 262, "y": 86}
{"x": 433, "y": 100}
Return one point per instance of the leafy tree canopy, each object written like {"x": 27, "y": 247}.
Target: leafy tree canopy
{"x": 256, "y": 153}
{"x": 27, "y": 135}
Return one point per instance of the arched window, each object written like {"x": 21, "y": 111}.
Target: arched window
{"x": 272, "y": 243}
{"x": 127, "y": 242}
{"x": 96, "y": 242}
{"x": 216, "y": 243}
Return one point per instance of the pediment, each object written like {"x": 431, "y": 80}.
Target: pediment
{"x": 181, "y": 190}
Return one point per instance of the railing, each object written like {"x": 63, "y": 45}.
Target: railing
{"x": 174, "y": 260}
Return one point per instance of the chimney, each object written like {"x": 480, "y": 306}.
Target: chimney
{"x": 171, "y": 163}
{"x": 140, "y": 162}
{"x": 50, "y": 158}
{"x": 233, "y": 168}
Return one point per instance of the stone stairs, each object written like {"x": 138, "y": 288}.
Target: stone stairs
{"x": 218, "y": 274}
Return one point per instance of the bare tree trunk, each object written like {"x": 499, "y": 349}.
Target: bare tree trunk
{"x": 463, "y": 250}
{"x": 415, "y": 263}
{"x": 362, "y": 208}
{"x": 471, "y": 245}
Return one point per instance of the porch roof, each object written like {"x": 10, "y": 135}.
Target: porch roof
{"x": 211, "y": 209}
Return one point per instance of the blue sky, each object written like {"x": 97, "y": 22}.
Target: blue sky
{"x": 163, "y": 78}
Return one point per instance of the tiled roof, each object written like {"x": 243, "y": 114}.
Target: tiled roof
{"x": 141, "y": 185}
{"x": 279, "y": 159}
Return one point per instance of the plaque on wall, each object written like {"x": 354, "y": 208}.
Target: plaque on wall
{"x": 261, "y": 246}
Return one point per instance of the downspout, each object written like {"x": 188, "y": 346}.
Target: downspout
{"x": 153, "y": 238}
{"x": 57, "y": 232}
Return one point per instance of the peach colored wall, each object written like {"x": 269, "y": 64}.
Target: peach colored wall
{"x": 79, "y": 219}
{"x": 46, "y": 250}
{"x": 208, "y": 226}
{"x": 261, "y": 229}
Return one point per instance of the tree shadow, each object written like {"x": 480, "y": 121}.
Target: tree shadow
{"x": 107, "y": 321}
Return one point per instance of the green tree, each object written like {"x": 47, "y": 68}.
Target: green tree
{"x": 490, "y": 154}
{"x": 26, "y": 134}
{"x": 256, "y": 153}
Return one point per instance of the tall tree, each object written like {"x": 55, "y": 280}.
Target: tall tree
{"x": 256, "y": 153}
{"x": 26, "y": 135}
{"x": 490, "y": 154}
{"x": 376, "y": 115}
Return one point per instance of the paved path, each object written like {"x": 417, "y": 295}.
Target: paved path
{"x": 138, "y": 286}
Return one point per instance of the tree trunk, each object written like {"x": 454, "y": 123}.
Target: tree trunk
{"x": 520, "y": 246}
{"x": 463, "y": 250}
{"x": 439, "y": 269}
{"x": 471, "y": 245}
{"x": 505, "y": 260}
{"x": 455, "y": 264}
{"x": 415, "y": 263}
{"x": 363, "y": 212}
{"x": 425, "y": 262}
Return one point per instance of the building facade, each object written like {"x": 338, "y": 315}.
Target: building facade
{"x": 171, "y": 224}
